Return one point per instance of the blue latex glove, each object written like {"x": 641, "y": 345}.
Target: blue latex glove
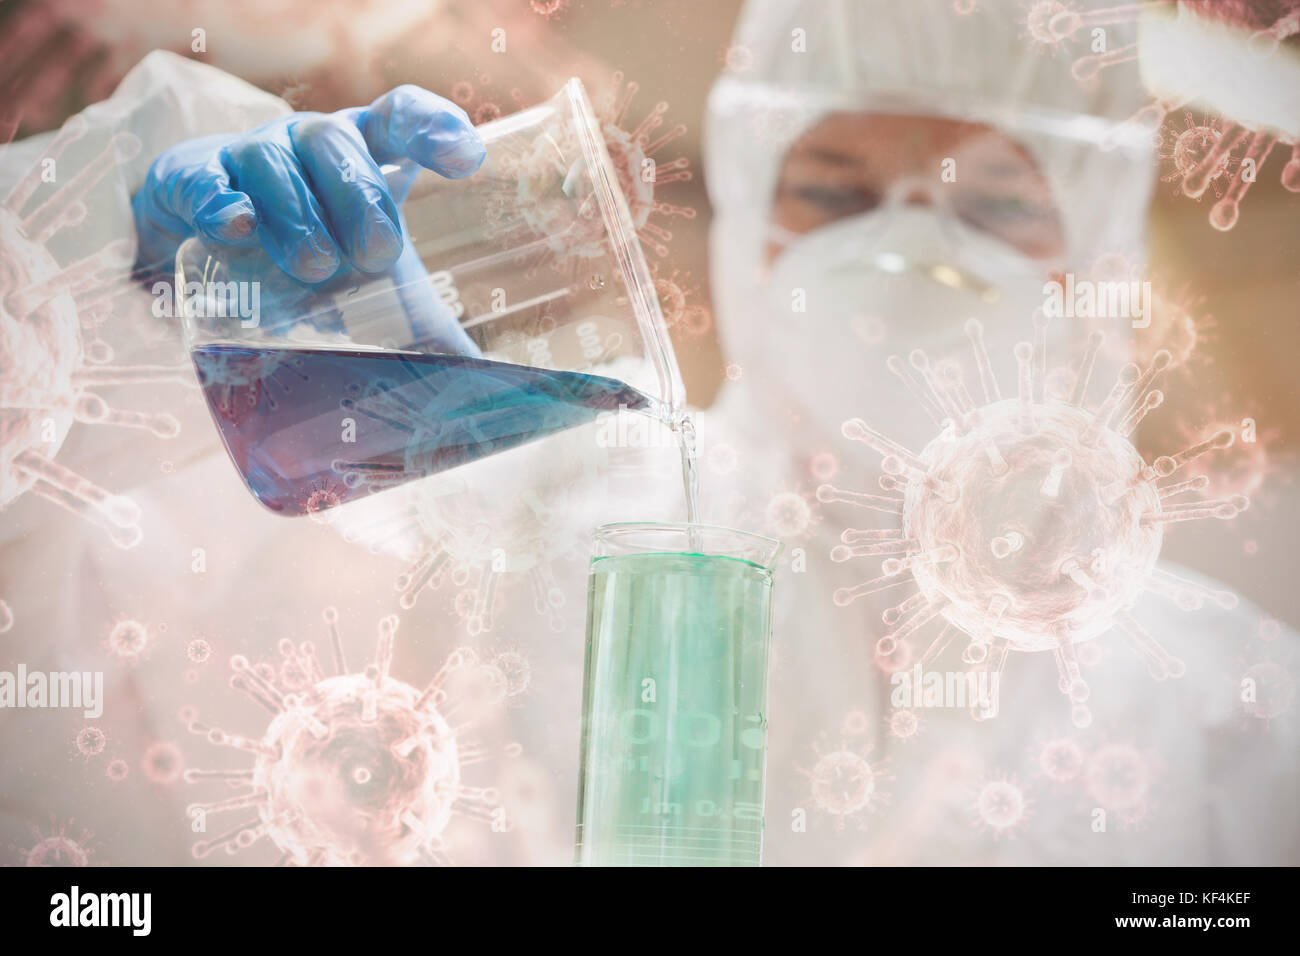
{"x": 307, "y": 190}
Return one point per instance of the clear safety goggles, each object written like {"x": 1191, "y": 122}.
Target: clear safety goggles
{"x": 824, "y": 157}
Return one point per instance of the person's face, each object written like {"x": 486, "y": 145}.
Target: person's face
{"x": 852, "y": 163}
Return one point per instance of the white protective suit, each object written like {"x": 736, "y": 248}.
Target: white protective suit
{"x": 1217, "y": 787}
{"x": 1213, "y": 785}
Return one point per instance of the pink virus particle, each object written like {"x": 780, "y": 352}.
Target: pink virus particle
{"x": 1218, "y": 55}
{"x": 516, "y": 674}
{"x": 1000, "y": 805}
{"x": 117, "y": 770}
{"x": 322, "y": 499}
{"x": 789, "y": 514}
{"x": 355, "y": 768}
{"x": 903, "y": 724}
{"x": 518, "y": 210}
{"x": 1029, "y": 523}
{"x": 1059, "y": 758}
{"x": 199, "y": 651}
{"x": 482, "y": 101}
{"x": 635, "y": 150}
{"x": 51, "y": 358}
{"x": 824, "y": 466}
{"x": 89, "y": 742}
{"x": 1193, "y": 149}
{"x": 1118, "y": 777}
{"x": 1035, "y": 21}
{"x": 162, "y": 763}
{"x": 548, "y": 9}
{"x": 696, "y": 322}
{"x": 128, "y": 641}
{"x": 462, "y": 92}
{"x": 964, "y": 8}
{"x": 63, "y": 845}
{"x": 738, "y": 59}
{"x": 1214, "y": 169}
{"x": 856, "y": 723}
{"x": 844, "y": 784}
{"x": 676, "y": 290}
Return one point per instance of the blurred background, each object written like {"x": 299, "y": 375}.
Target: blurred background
{"x": 648, "y": 66}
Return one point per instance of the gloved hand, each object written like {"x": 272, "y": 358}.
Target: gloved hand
{"x": 307, "y": 190}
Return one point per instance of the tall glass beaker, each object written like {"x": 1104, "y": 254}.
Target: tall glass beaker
{"x": 674, "y": 710}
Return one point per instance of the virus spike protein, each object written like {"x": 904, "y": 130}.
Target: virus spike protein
{"x": 1047, "y": 542}
{"x": 356, "y": 768}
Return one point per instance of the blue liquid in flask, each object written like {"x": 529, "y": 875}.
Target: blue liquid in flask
{"x": 282, "y": 414}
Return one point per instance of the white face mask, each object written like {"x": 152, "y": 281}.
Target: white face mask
{"x": 840, "y": 300}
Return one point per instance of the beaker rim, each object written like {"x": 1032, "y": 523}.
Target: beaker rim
{"x": 645, "y": 537}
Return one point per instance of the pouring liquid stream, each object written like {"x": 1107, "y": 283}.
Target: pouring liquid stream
{"x": 685, "y": 428}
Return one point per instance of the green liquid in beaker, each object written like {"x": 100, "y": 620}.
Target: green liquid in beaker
{"x": 674, "y": 708}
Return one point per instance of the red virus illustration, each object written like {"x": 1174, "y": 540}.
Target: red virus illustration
{"x": 51, "y": 358}
{"x": 128, "y": 641}
{"x": 1226, "y": 56}
{"x": 635, "y": 151}
{"x": 788, "y": 514}
{"x": 903, "y": 724}
{"x": 548, "y": 8}
{"x": 355, "y": 768}
{"x": 999, "y": 805}
{"x": 677, "y": 290}
{"x": 738, "y": 59}
{"x": 1118, "y": 777}
{"x": 162, "y": 763}
{"x": 199, "y": 651}
{"x": 1112, "y": 775}
{"x": 1029, "y": 523}
{"x": 89, "y": 742}
{"x": 844, "y": 784}
{"x": 516, "y": 674}
{"x": 1059, "y": 758}
{"x": 63, "y": 845}
{"x": 483, "y": 102}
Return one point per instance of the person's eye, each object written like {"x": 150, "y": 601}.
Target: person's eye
{"x": 837, "y": 200}
{"x": 1007, "y": 206}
